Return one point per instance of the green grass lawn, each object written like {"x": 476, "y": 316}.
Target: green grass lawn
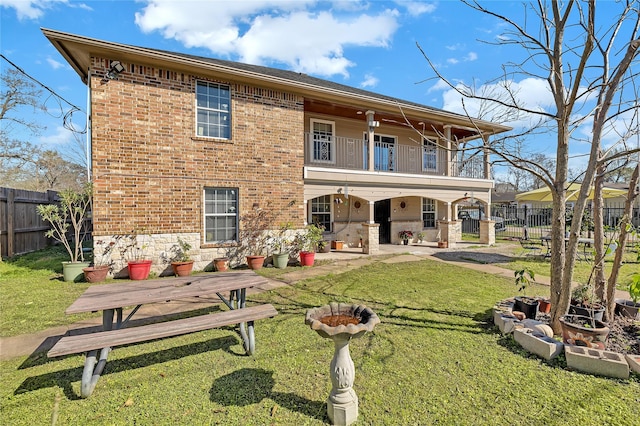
{"x": 434, "y": 359}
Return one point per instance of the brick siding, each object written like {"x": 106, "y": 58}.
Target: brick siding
{"x": 149, "y": 168}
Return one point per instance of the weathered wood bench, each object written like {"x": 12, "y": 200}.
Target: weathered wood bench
{"x": 111, "y": 298}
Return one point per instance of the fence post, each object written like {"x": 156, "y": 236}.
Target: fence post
{"x": 11, "y": 196}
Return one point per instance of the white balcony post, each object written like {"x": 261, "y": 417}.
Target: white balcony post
{"x": 372, "y": 211}
{"x": 487, "y": 159}
{"x": 370, "y": 136}
{"x": 447, "y": 136}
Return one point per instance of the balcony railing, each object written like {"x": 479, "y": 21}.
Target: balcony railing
{"x": 351, "y": 153}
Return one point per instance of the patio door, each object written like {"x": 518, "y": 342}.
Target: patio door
{"x": 382, "y": 216}
{"x": 384, "y": 152}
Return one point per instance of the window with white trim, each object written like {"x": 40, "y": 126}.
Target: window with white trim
{"x": 220, "y": 215}
{"x": 428, "y": 213}
{"x": 321, "y": 211}
{"x": 323, "y": 141}
{"x": 213, "y": 110}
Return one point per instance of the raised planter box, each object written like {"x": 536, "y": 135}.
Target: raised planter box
{"x": 634, "y": 362}
{"x": 596, "y": 361}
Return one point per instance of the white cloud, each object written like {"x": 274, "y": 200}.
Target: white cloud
{"x": 54, "y": 64}
{"x": 471, "y": 56}
{"x": 29, "y": 9}
{"x": 369, "y": 81}
{"x": 452, "y": 61}
{"x": 60, "y": 136}
{"x": 260, "y": 32}
{"x": 417, "y": 8}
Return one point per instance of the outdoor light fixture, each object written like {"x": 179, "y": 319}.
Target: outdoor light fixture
{"x": 115, "y": 70}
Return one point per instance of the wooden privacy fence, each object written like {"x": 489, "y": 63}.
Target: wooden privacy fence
{"x": 21, "y": 227}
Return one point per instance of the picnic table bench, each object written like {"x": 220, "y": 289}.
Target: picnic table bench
{"x": 112, "y": 298}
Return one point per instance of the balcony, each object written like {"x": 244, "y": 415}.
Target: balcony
{"x": 352, "y": 154}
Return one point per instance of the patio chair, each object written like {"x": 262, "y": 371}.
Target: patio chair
{"x": 530, "y": 247}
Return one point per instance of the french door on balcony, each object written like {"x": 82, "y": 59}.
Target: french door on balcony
{"x": 384, "y": 153}
{"x": 429, "y": 156}
{"x": 323, "y": 141}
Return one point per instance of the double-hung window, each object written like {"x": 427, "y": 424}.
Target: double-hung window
{"x": 428, "y": 213}
{"x": 321, "y": 211}
{"x": 213, "y": 116}
{"x": 220, "y": 215}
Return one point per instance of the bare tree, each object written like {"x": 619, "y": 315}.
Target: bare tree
{"x": 587, "y": 68}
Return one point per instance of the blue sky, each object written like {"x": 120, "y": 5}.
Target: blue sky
{"x": 368, "y": 44}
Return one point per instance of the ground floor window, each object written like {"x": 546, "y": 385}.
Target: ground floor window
{"x": 321, "y": 211}
{"x": 220, "y": 215}
{"x": 428, "y": 213}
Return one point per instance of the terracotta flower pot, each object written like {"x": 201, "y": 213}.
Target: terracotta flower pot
{"x": 139, "y": 269}
{"x": 221, "y": 264}
{"x": 544, "y": 306}
{"x": 574, "y": 331}
{"x": 182, "y": 269}
{"x": 95, "y": 274}
{"x": 255, "y": 262}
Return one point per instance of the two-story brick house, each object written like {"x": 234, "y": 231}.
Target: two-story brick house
{"x": 183, "y": 146}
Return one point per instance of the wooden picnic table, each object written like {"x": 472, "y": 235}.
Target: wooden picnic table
{"x": 585, "y": 243}
{"x": 112, "y": 298}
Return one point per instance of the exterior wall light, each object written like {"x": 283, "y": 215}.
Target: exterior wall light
{"x": 116, "y": 69}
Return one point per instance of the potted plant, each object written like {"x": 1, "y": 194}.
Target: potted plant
{"x": 281, "y": 246}
{"x": 71, "y": 212}
{"x": 585, "y": 302}
{"x": 181, "y": 262}
{"x": 221, "y": 264}
{"x": 101, "y": 262}
{"x": 527, "y": 305}
{"x": 420, "y": 237}
{"x": 134, "y": 251}
{"x": 308, "y": 241}
{"x": 580, "y": 330}
{"x": 630, "y": 308}
{"x": 255, "y": 233}
{"x": 405, "y": 236}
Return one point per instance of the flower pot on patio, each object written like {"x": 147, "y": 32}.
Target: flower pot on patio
{"x": 96, "y": 274}
{"x": 280, "y": 260}
{"x": 73, "y": 271}
{"x": 307, "y": 258}
{"x": 597, "y": 311}
{"x": 139, "y": 269}
{"x": 182, "y": 269}
{"x": 221, "y": 264}
{"x": 443, "y": 244}
{"x": 255, "y": 262}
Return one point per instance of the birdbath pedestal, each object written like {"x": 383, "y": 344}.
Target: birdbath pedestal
{"x": 341, "y": 322}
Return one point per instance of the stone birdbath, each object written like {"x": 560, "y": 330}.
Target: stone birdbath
{"x": 341, "y": 322}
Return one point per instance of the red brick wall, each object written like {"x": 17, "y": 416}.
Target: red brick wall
{"x": 149, "y": 168}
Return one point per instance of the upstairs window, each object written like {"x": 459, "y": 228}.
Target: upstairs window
{"x": 323, "y": 141}
{"x": 213, "y": 115}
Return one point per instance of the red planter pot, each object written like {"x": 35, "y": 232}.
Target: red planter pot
{"x": 221, "y": 264}
{"x": 307, "y": 258}
{"x": 139, "y": 269}
{"x": 575, "y": 334}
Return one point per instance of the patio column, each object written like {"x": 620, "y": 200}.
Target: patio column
{"x": 487, "y": 232}
{"x": 487, "y": 159}
{"x": 371, "y": 131}
{"x": 372, "y": 212}
{"x": 371, "y": 242}
{"x": 447, "y": 144}
{"x": 306, "y": 212}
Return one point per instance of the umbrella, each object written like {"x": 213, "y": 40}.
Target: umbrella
{"x": 544, "y": 194}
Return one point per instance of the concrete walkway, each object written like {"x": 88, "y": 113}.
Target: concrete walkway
{"x": 483, "y": 259}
